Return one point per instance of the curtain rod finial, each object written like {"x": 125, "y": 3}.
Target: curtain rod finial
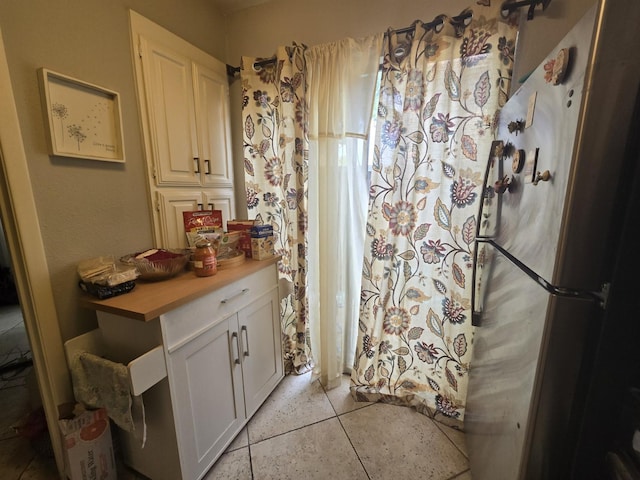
{"x": 232, "y": 71}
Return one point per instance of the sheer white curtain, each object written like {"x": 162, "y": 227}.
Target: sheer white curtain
{"x": 341, "y": 79}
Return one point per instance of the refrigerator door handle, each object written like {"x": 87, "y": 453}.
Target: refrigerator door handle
{"x": 600, "y": 297}
{"x": 495, "y": 160}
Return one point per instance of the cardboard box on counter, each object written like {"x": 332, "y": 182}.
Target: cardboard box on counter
{"x": 88, "y": 449}
{"x": 261, "y": 231}
{"x": 262, "y": 247}
{"x": 243, "y": 226}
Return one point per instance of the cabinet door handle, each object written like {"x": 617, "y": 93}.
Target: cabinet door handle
{"x": 242, "y": 292}
{"x": 246, "y": 337}
{"x": 211, "y": 206}
{"x": 197, "y": 168}
{"x": 208, "y": 164}
{"x": 236, "y": 359}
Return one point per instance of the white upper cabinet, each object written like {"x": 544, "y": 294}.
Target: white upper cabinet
{"x": 188, "y": 113}
{"x": 212, "y": 113}
{"x": 183, "y": 95}
{"x": 168, "y": 84}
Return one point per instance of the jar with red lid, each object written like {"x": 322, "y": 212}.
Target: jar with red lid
{"x": 205, "y": 262}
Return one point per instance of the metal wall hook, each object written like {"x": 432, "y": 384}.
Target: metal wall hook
{"x": 504, "y": 184}
{"x": 542, "y": 177}
{"x": 516, "y": 126}
{"x": 510, "y": 6}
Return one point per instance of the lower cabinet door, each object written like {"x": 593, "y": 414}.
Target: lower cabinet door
{"x": 261, "y": 349}
{"x": 206, "y": 385}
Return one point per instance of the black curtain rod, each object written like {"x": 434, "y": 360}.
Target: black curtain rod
{"x": 459, "y": 22}
{"x": 509, "y": 6}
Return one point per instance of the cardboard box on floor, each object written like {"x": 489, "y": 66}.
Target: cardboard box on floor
{"x": 88, "y": 448}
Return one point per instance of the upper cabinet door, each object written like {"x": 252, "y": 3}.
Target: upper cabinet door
{"x": 221, "y": 199}
{"x": 214, "y": 132}
{"x": 172, "y": 203}
{"x": 168, "y": 84}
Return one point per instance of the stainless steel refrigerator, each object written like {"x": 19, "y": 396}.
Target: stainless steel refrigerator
{"x": 549, "y": 228}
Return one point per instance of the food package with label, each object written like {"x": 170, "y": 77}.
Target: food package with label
{"x": 261, "y": 231}
{"x": 243, "y": 226}
{"x": 262, "y": 247}
{"x": 202, "y": 225}
{"x": 88, "y": 448}
{"x": 103, "y": 271}
{"x": 101, "y": 277}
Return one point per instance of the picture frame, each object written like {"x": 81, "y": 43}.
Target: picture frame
{"x": 83, "y": 120}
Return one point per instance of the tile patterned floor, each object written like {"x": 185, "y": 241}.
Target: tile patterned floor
{"x": 301, "y": 431}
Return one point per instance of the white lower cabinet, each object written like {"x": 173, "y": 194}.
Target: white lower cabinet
{"x": 261, "y": 349}
{"x": 223, "y": 353}
{"x": 221, "y": 377}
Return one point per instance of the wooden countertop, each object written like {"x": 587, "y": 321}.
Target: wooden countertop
{"x": 148, "y": 300}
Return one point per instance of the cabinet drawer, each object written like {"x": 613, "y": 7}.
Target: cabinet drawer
{"x": 190, "y": 320}
{"x": 144, "y": 370}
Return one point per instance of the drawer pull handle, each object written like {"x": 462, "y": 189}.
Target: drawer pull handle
{"x": 246, "y": 337}
{"x": 242, "y": 292}
{"x": 236, "y": 359}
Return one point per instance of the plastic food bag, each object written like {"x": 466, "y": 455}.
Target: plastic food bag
{"x": 103, "y": 271}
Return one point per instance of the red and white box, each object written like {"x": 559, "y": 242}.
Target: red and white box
{"x": 243, "y": 226}
{"x": 198, "y": 223}
{"x": 86, "y": 437}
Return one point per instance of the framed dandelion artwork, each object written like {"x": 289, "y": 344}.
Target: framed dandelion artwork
{"x": 84, "y": 120}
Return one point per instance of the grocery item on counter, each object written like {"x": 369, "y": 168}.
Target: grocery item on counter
{"x": 158, "y": 263}
{"x": 228, "y": 245}
{"x": 102, "y": 278}
{"x": 262, "y": 247}
{"x": 104, "y": 271}
{"x": 243, "y": 226}
{"x": 205, "y": 262}
{"x": 202, "y": 225}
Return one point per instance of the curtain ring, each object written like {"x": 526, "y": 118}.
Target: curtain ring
{"x": 462, "y": 21}
{"x": 438, "y": 23}
{"x": 389, "y": 35}
{"x": 400, "y": 51}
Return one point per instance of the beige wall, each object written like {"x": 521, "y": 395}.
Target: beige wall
{"x": 88, "y": 208}
{"x": 257, "y": 31}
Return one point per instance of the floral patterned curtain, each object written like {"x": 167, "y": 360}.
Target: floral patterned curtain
{"x": 275, "y": 147}
{"x": 439, "y": 97}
